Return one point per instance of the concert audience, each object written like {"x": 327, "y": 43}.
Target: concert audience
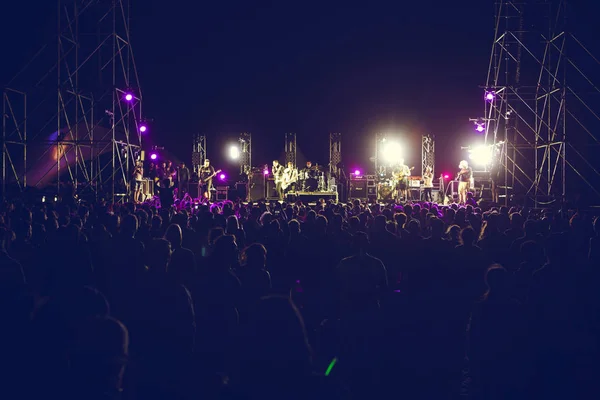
{"x": 289, "y": 301}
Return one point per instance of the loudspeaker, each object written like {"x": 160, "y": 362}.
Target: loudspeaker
{"x": 257, "y": 187}
{"x": 271, "y": 190}
{"x": 241, "y": 191}
{"x": 222, "y": 193}
{"x": 358, "y": 189}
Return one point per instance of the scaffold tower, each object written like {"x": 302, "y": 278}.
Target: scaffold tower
{"x": 335, "y": 153}
{"x": 198, "y": 153}
{"x": 541, "y": 103}
{"x": 82, "y": 116}
{"x": 427, "y": 153}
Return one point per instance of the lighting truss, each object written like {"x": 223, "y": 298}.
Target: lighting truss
{"x": 79, "y": 128}
{"x": 427, "y": 153}
{"x": 290, "y": 148}
{"x": 335, "y": 154}
{"x": 245, "y": 141}
{"x": 544, "y": 110}
{"x": 198, "y": 153}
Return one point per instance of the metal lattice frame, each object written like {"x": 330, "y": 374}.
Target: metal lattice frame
{"x": 245, "y": 141}
{"x": 290, "y": 148}
{"x": 427, "y": 153}
{"x": 380, "y": 168}
{"x": 542, "y": 116}
{"x": 14, "y": 138}
{"x": 335, "y": 153}
{"x": 198, "y": 153}
{"x": 91, "y": 118}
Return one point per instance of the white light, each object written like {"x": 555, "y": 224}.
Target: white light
{"x": 481, "y": 155}
{"x": 391, "y": 152}
{"x": 234, "y": 152}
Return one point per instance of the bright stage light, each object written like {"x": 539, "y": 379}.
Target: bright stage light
{"x": 143, "y": 128}
{"x": 480, "y": 127}
{"x": 446, "y": 176}
{"x": 128, "y": 97}
{"x": 391, "y": 152}
{"x": 153, "y": 156}
{"x": 234, "y": 152}
{"x": 266, "y": 171}
{"x": 222, "y": 177}
{"x": 490, "y": 95}
{"x": 481, "y": 155}
{"x": 357, "y": 172}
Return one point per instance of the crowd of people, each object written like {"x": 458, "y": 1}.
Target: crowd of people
{"x": 291, "y": 301}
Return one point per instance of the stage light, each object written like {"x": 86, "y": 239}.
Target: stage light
{"x": 153, "y": 156}
{"x": 357, "y": 172}
{"x": 446, "y": 176}
{"x": 481, "y": 155}
{"x": 128, "y": 97}
{"x": 391, "y": 152}
{"x": 143, "y": 128}
{"x": 480, "y": 126}
{"x": 222, "y": 177}
{"x": 266, "y": 171}
{"x": 234, "y": 152}
{"x": 490, "y": 95}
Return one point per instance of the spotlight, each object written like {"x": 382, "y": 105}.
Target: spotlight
{"x": 490, "y": 95}
{"x": 222, "y": 177}
{"x": 153, "y": 156}
{"x": 128, "y": 97}
{"x": 143, "y": 128}
{"x": 446, "y": 176}
{"x": 480, "y": 127}
{"x": 266, "y": 171}
{"x": 481, "y": 155}
{"x": 391, "y": 152}
{"x": 234, "y": 152}
{"x": 357, "y": 172}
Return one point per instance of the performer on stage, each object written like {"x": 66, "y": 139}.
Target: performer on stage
{"x": 138, "y": 176}
{"x": 277, "y": 171}
{"x": 183, "y": 180}
{"x": 290, "y": 178}
{"x": 464, "y": 179}
{"x": 428, "y": 183}
{"x": 400, "y": 174}
{"x": 207, "y": 173}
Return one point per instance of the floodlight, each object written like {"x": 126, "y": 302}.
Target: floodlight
{"x": 481, "y": 155}
{"x": 391, "y": 152}
{"x": 234, "y": 152}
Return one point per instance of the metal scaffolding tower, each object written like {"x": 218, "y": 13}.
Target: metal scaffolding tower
{"x": 90, "y": 136}
{"x": 245, "y": 141}
{"x": 198, "y": 153}
{"x": 541, "y": 108}
{"x": 427, "y": 153}
{"x": 290, "y": 148}
{"x": 335, "y": 153}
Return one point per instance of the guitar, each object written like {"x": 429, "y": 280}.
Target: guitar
{"x": 203, "y": 181}
{"x": 289, "y": 178}
{"x": 398, "y": 176}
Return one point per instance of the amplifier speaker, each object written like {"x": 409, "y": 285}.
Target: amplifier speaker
{"x": 271, "y": 190}
{"x": 358, "y": 189}
{"x": 222, "y": 193}
{"x": 257, "y": 188}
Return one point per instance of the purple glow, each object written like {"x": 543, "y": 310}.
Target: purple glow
{"x": 128, "y": 97}
{"x": 490, "y": 96}
{"x": 480, "y": 128}
{"x": 143, "y": 128}
{"x": 153, "y": 156}
{"x": 266, "y": 172}
{"x": 357, "y": 172}
{"x": 222, "y": 177}
{"x": 446, "y": 176}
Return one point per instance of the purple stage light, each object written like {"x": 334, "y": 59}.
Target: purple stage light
{"x": 480, "y": 128}
{"x": 143, "y": 128}
{"x": 490, "y": 96}
{"x": 128, "y": 97}
{"x": 153, "y": 156}
{"x": 447, "y": 176}
{"x": 266, "y": 172}
{"x": 357, "y": 172}
{"x": 222, "y": 177}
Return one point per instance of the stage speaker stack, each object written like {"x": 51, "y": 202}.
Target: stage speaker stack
{"x": 358, "y": 189}
{"x": 271, "y": 190}
{"x": 257, "y": 188}
{"x": 222, "y": 193}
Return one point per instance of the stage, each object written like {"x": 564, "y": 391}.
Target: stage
{"x": 311, "y": 197}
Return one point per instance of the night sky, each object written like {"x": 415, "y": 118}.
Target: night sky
{"x": 220, "y": 68}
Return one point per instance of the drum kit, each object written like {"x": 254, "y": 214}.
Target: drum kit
{"x": 312, "y": 180}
